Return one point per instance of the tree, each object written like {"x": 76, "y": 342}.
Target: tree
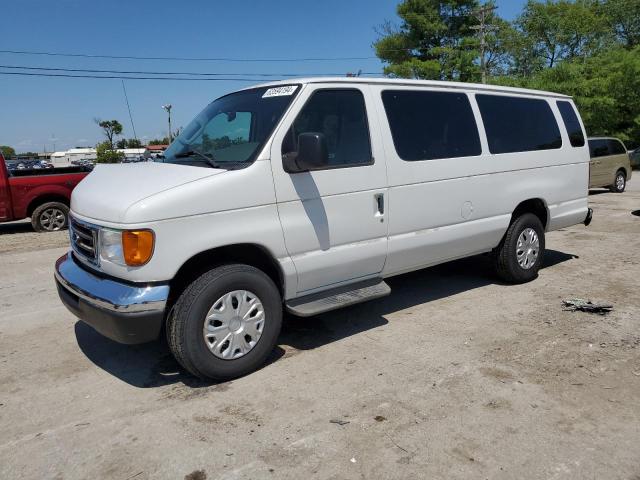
{"x": 130, "y": 143}
{"x": 623, "y": 17}
{"x": 110, "y": 128}
{"x": 563, "y": 29}
{"x": 7, "y": 151}
{"x": 605, "y": 88}
{"x": 106, "y": 154}
{"x": 433, "y": 41}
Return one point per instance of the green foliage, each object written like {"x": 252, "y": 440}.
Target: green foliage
{"x": 589, "y": 49}
{"x": 606, "y": 88}
{"x": 7, "y": 151}
{"x": 161, "y": 141}
{"x": 434, "y": 41}
{"x": 129, "y": 143}
{"x": 106, "y": 154}
{"x": 110, "y": 128}
{"x": 563, "y": 29}
{"x": 623, "y": 18}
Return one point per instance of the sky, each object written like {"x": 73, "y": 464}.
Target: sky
{"x": 39, "y": 113}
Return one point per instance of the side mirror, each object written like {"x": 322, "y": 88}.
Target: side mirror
{"x": 311, "y": 155}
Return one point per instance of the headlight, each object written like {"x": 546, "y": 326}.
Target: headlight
{"x": 126, "y": 247}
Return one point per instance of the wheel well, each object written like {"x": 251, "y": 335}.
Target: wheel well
{"x": 246, "y": 253}
{"x": 623, "y": 170}
{"x": 36, "y": 202}
{"x": 535, "y": 206}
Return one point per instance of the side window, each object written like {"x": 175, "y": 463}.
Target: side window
{"x": 571, "y": 122}
{"x": 598, "y": 148}
{"x": 517, "y": 124}
{"x": 341, "y": 116}
{"x": 616, "y": 147}
{"x": 427, "y": 125}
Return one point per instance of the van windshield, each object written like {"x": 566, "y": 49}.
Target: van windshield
{"x": 230, "y": 131}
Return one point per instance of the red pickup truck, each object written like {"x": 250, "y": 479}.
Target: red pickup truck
{"x": 42, "y": 194}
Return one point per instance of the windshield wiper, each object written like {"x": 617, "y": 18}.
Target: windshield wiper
{"x": 190, "y": 153}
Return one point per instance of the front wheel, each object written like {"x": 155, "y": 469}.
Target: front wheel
{"x": 620, "y": 183}
{"x": 519, "y": 256}
{"x": 226, "y": 323}
{"x": 50, "y": 217}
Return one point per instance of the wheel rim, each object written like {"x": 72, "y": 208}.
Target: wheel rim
{"x": 620, "y": 181}
{"x": 52, "y": 219}
{"x": 233, "y": 325}
{"x": 528, "y": 248}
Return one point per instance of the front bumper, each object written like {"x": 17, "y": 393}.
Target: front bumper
{"x": 122, "y": 312}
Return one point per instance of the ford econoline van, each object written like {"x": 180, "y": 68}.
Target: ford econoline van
{"x": 304, "y": 196}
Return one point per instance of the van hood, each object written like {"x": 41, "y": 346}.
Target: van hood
{"x": 110, "y": 190}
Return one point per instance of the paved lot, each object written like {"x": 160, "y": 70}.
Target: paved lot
{"x": 453, "y": 376}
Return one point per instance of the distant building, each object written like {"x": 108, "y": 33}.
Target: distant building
{"x": 135, "y": 153}
{"x": 155, "y": 150}
{"x": 62, "y": 159}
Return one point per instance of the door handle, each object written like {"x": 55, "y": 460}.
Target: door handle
{"x": 380, "y": 202}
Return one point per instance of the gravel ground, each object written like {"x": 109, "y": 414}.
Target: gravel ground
{"x": 453, "y": 376}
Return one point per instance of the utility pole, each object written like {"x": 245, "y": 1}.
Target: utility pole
{"x": 481, "y": 14}
{"x": 167, "y": 107}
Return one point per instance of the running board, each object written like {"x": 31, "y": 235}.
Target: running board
{"x": 338, "y": 297}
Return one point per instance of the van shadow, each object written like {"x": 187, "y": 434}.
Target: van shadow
{"x": 152, "y": 365}
{"x": 407, "y": 290}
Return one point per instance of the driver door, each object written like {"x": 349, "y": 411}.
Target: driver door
{"x": 333, "y": 220}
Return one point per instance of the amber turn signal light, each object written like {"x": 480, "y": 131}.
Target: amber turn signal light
{"x": 137, "y": 246}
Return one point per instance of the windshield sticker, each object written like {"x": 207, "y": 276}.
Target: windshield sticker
{"x": 280, "y": 91}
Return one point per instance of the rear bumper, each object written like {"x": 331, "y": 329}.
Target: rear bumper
{"x": 122, "y": 312}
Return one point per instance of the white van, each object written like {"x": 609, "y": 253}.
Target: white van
{"x": 305, "y": 195}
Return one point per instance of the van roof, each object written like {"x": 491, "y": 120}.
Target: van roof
{"x": 414, "y": 83}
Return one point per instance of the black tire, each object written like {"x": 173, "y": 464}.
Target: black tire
{"x": 186, "y": 322}
{"x": 505, "y": 254}
{"x": 50, "y": 217}
{"x": 618, "y": 187}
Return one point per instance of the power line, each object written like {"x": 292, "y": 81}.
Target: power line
{"x": 187, "y": 59}
{"x": 119, "y": 77}
{"x": 204, "y": 74}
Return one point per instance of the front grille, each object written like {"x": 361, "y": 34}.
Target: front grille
{"x": 84, "y": 240}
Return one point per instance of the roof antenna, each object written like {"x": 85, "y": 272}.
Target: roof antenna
{"x": 129, "y": 108}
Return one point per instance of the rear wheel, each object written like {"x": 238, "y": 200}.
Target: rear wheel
{"x": 226, "y": 323}
{"x": 620, "y": 183}
{"x": 50, "y": 217}
{"x": 520, "y": 254}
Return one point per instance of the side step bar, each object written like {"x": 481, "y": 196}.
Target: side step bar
{"x": 338, "y": 297}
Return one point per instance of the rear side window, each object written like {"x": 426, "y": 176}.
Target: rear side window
{"x": 516, "y": 124}
{"x": 616, "y": 147}
{"x": 571, "y": 122}
{"x": 341, "y": 116}
{"x": 428, "y": 125}
{"x": 599, "y": 148}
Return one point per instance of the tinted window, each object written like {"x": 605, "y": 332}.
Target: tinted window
{"x": 616, "y": 147}
{"x": 571, "y": 122}
{"x": 341, "y": 116}
{"x": 429, "y": 125}
{"x": 516, "y": 124}
{"x": 598, "y": 148}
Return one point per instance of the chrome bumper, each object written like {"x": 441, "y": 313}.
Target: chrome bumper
{"x": 126, "y": 313}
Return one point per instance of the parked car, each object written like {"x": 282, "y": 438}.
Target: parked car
{"x": 634, "y": 158}
{"x": 610, "y": 164}
{"x": 42, "y": 194}
{"x": 306, "y": 196}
